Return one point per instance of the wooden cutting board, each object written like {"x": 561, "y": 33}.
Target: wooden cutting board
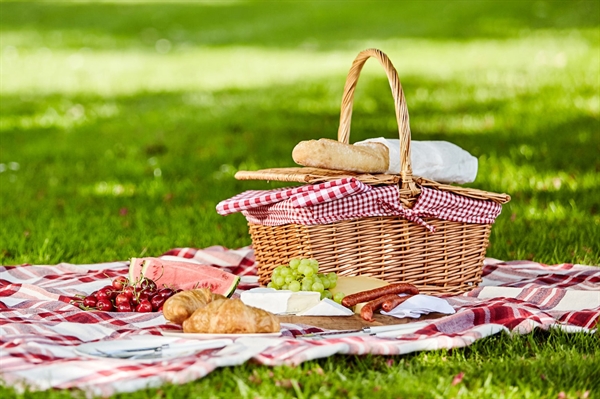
{"x": 351, "y": 322}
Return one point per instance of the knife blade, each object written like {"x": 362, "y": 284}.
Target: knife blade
{"x": 385, "y": 331}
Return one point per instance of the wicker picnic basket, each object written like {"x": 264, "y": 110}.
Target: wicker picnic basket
{"x": 449, "y": 261}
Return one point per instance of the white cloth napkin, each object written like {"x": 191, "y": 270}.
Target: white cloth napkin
{"x": 419, "y": 305}
{"x": 440, "y": 161}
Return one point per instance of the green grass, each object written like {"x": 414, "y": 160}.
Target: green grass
{"x": 539, "y": 365}
{"x": 121, "y": 125}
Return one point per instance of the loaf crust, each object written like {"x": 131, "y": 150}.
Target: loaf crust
{"x": 332, "y": 154}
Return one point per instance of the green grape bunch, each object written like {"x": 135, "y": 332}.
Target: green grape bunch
{"x": 303, "y": 275}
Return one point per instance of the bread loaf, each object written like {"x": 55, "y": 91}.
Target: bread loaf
{"x": 332, "y": 154}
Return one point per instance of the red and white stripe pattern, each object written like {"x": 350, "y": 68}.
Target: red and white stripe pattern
{"x": 331, "y": 205}
{"x": 299, "y": 197}
{"x": 365, "y": 204}
{"x": 457, "y": 208}
{"x": 39, "y": 328}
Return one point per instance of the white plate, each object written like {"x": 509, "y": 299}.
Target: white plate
{"x": 117, "y": 349}
{"x": 181, "y": 334}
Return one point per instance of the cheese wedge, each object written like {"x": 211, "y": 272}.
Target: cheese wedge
{"x": 352, "y": 285}
{"x": 280, "y": 301}
{"x": 327, "y": 307}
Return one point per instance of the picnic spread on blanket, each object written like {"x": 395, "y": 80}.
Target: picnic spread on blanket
{"x": 361, "y": 258}
{"x": 46, "y": 342}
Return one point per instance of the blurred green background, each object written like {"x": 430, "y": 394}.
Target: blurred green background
{"x": 122, "y": 123}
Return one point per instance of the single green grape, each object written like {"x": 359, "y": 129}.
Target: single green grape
{"x": 279, "y": 281}
{"x": 301, "y": 269}
{"x": 318, "y": 287}
{"x": 289, "y": 279}
{"x": 294, "y": 286}
{"x": 332, "y": 276}
{"x": 294, "y": 263}
{"x": 326, "y": 283}
{"x": 328, "y": 294}
{"x": 286, "y": 271}
{"x": 332, "y": 284}
{"x": 338, "y": 296}
{"x": 309, "y": 272}
{"x": 308, "y": 280}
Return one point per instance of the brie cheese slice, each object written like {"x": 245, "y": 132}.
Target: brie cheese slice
{"x": 327, "y": 307}
{"x": 280, "y": 301}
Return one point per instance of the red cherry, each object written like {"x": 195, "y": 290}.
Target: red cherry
{"x": 124, "y": 307}
{"x": 129, "y": 291}
{"x": 157, "y": 301}
{"x": 120, "y": 282}
{"x": 107, "y": 288}
{"x": 166, "y": 292}
{"x": 147, "y": 283}
{"x": 144, "y": 295}
{"x": 89, "y": 301}
{"x": 144, "y": 306}
{"x": 102, "y": 295}
{"x": 121, "y": 299}
{"x": 104, "y": 305}
{"x": 148, "y": 290}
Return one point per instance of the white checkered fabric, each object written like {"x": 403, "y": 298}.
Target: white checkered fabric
{"x": 349, "y": 199}
{"x": 301, "y": 196}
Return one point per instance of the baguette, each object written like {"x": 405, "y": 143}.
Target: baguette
{"x": 331, "y": 154}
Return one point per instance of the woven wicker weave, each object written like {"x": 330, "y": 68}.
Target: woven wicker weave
{"x": 448, "y": 261}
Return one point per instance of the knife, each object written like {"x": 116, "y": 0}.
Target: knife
{"x": 158, "y": 351}
{"x": 380, "y": 331}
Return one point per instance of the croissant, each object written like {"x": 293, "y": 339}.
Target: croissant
{"x": 181, "y": 305}
{"x": 230, "y": 316}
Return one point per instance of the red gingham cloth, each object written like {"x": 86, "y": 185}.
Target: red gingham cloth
{"x": 325, "y": 205}
{"x": 39, "y": 328}
{"x": 301, "y": 196}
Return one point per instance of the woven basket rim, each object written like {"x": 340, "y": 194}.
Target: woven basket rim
{"x": 307, "y": 175}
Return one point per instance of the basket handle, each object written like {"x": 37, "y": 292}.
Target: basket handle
{"x": 399, "y": 105}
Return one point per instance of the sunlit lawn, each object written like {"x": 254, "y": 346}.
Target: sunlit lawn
{"x": 122, "y": 125}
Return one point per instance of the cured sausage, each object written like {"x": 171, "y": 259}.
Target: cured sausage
{"x": 367, "y": 311}
{"x": 365, "y": 296}
{"x": 393, "y": 302}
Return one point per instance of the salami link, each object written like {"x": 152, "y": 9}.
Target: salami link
{"x": 370, "y": 307}
{"x": 365, "y": 296}
{"x": 393, "y": 302}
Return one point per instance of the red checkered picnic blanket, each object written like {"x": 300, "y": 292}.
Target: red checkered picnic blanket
{"x": 39, "y": 328}
{"x": 348, "y": 199}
